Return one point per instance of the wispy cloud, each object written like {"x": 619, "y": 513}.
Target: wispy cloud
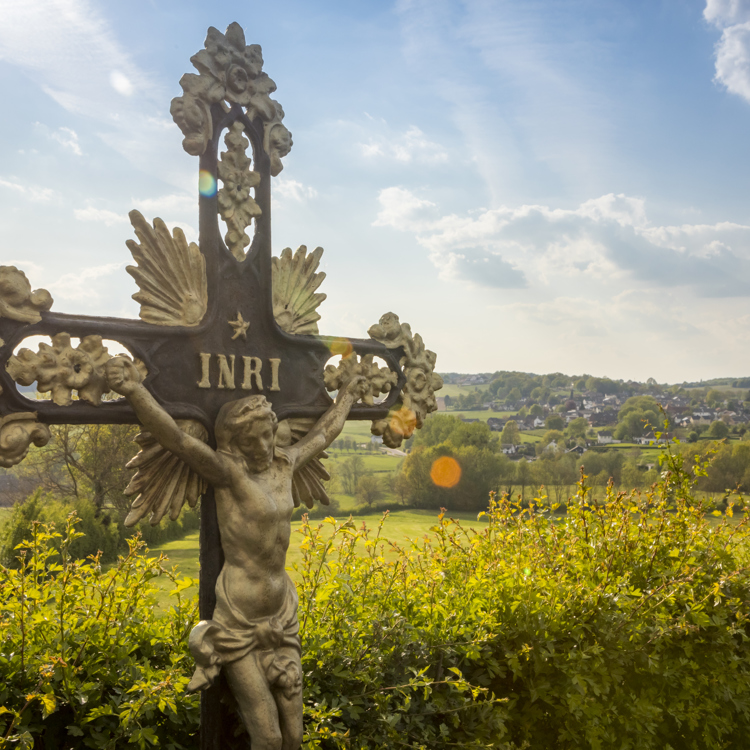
{"x": 65, "y": 137}
{"x": 77, "y": 285}
{"x": 732, "y": 51}
{"x": 30, "y": 192}
{"x": 412, "y": 145}
{"x": 102, "y": 215}
{"x": 68, "y": 48}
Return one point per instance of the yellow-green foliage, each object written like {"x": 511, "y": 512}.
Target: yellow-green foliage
{"x": 623, "y": 624}
{"x": 84, "y": 660}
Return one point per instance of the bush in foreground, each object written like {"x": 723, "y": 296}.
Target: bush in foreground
{"x": 85, "y": 662}
{"x": 622, "y": 625}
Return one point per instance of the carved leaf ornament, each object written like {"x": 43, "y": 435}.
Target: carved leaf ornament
{"x": 17, "y": 432}
{"x": 236, "y": 206}
{"x": 162, "y": 482}
{"x": 17, "y": 301}
{"x": 417, "y": 398}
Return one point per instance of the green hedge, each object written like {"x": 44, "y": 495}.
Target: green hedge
{"x": 623, "y": 624}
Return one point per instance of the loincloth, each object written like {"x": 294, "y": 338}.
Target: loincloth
{"x": 231, "y": 636}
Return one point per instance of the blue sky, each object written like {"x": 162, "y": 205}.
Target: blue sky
{"x": 538, "y": 185}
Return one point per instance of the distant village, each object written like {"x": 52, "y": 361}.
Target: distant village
{"x": 692, "y": 409}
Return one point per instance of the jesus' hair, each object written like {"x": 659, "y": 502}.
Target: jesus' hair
{"x": 235, "y": 414}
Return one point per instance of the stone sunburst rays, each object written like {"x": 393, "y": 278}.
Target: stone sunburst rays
{"x": 162, "y": 482}
{"x": 295, "y": 281}
{"x": 171, "y": 275}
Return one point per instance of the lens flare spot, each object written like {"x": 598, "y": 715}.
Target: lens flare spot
{"x": 403, "y": 422}
{"x": 445, "y": 472}
{"x": 341, "y": 346}
{"x": 206, "y": 184}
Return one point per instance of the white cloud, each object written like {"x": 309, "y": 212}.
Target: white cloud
{"x": 286, "y": 188}
{"x": 401, "y": 209}
{"x": 109, "y": 218}
{"x": 603, "y": 240}
{"x": 32, "y": 192}
{"x": 412, "y": 145}
{"x": 732, "y": 51}
{"x": 66, "y": 137}
{"x": 724, "y": 13}
{"x": 77, "y": 285}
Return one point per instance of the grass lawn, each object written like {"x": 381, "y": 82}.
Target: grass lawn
{"x": 374, "y": 462}
{"x": 400, "y": 527}
{"x": 483, "y": 415}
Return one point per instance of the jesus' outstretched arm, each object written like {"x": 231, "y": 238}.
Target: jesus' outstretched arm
{"x": 124, "y": 378}
{"x": 328, "y": 427}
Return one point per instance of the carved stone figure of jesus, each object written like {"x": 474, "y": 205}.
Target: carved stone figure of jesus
{"x": 254, "y": 633}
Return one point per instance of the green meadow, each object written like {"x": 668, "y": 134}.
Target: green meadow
{"x": 401, "y": 527}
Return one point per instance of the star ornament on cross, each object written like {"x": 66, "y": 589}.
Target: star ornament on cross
{"x": 231, "y": 380}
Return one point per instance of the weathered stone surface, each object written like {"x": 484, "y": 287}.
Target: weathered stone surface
{"x": 17, "y": 432}
{"x": 17, "y": 301}
{"x": 171, "y": 275}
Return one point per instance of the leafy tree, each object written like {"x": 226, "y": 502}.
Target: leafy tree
{"x": 351, "y": 470}
{"x": 510, "y": 435}
{"x": 551, "y": 436}
{"x": 718, "y": 430}
{"x": 523, "y": 476}
{"x": 577, "y": 428}
{"x": 85, "y": 462}
{"x": 714, "y": 398}
{"x": 513, "y": 397}
{"x": 554, "y": 422}
{"x": 638, "y": 415}
{"x": 368, "y": 490}
{"x": 536, "y": 410}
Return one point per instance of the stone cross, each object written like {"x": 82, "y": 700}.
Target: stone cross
{"x": 227, "y": 346}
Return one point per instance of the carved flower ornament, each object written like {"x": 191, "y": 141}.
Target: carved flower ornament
{"x": 229, "y": 70}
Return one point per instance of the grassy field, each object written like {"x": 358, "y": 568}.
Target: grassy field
{"x": 400, "y": 527}
{"x": 4, "y": 515}
{"x": 483, "y": 415}
{"x": 460, "y": 390}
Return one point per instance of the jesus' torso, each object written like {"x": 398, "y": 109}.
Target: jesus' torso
{"x": 254, "y": 513}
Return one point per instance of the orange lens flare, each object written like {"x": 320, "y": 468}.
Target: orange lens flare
{"x": 342, "y": 347}
{"x": 445, "y": 472}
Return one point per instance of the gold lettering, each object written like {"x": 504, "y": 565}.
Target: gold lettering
{"x": 226, "y": 371}
{"x": 274, "y": 374}
{"x": 204, "y": 382}
{"x": 252, "y": 368}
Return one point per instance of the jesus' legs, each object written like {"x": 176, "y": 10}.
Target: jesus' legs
{"x": 272, "y": 714}
{"x": 255, "y": 702}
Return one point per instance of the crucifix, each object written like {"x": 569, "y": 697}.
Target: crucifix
{"x": 232, "y": 382}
